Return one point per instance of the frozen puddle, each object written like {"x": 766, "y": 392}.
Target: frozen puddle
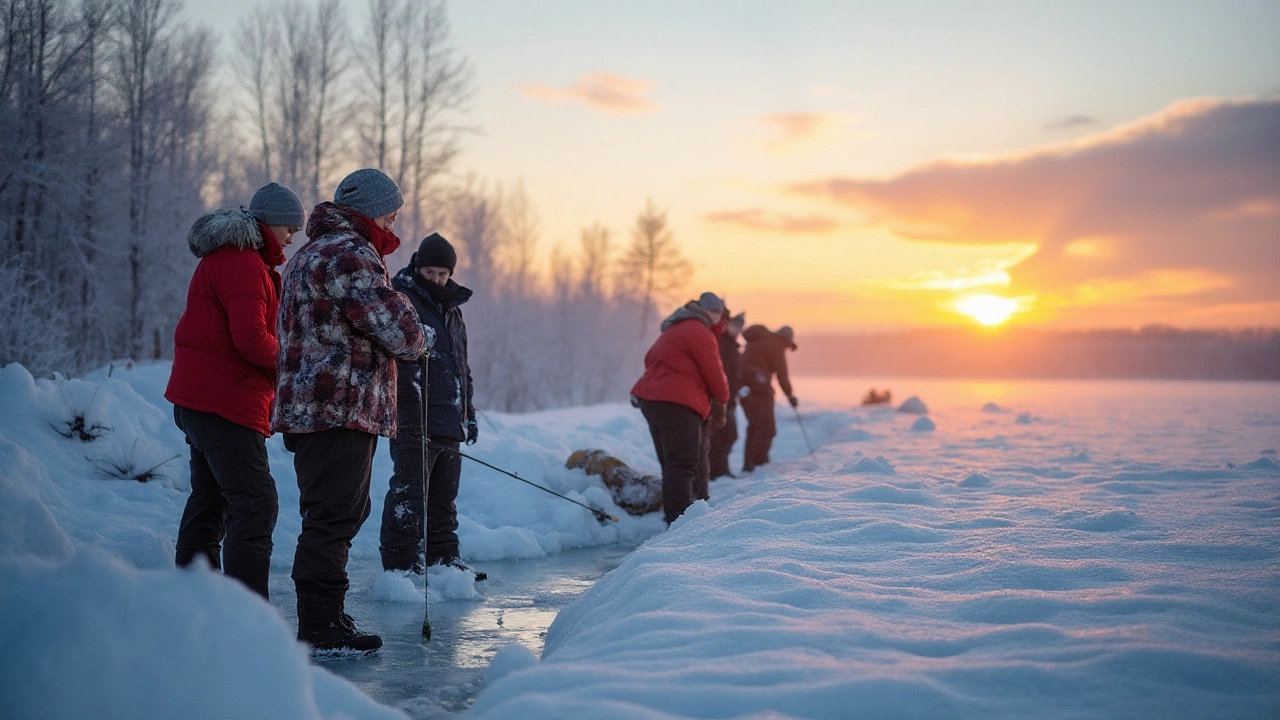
{"x": 517, "y": 604}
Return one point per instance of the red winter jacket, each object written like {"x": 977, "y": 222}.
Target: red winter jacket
{"x": 683, "y": 367}
{"x": 224, "y": 358}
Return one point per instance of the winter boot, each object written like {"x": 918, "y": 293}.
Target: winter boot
{"x": 324, "y": 626}
{"x": 477, "y": 575}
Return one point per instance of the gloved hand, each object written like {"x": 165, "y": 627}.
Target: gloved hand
{"x": 795, "y": 401}
{"x": 430, "y": 335}
{"x": 744, "y": 391}
{"x": 718, "y": 417}
{"x": 473, "y": 432}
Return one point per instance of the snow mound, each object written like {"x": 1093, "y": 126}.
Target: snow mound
{"x": 1262, "y": 463}
{"x": 992, "y": 408}
{"x": 1110, "y": 521}
{"x": 871, "y": 466}
{"x": 975, "y": 480}
{"x": 691, "y": 513}
{"x": 924, "y": 424}
{"x": 1025, "y": 419}
{"x": 94, "y": 637}
{"x": 914, "y": 405}
{"x": 395, "y": 586}
{"x": 451, "y": 583}
{"x": 509, "y": 658}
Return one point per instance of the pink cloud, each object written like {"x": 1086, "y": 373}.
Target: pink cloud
{"x": 1195, "y": 187}
{"x": 599, "y": 90}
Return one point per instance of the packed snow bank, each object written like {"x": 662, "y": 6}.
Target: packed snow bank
{"x": 95, "y": 637}
{"x": 806, "y": 600}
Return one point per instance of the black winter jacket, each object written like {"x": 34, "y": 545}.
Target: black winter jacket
{"x": 765, "y": 356}
{"x": 449, "y": 376}
{"x": 731, "y": 359}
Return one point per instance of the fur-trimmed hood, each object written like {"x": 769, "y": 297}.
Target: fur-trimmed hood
{"x": 228, "y": 227}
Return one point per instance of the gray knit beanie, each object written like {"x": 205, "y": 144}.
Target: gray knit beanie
{"x": 712, "y": 305}
{"x": 275, "y": 204}
{"x": 369, "y": 192}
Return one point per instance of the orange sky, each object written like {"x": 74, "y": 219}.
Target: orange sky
{"x": 861, "y": 165}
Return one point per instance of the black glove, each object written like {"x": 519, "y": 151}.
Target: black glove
{"x": 795, "y": 401}
{"x": 473, "y": 432}
{"x": 718, "y": 417}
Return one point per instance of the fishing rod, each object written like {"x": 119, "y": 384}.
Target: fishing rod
{"x": 803, "y": 432}
{"x": 601, "y": 515}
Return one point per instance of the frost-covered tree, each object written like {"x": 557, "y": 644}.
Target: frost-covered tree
{"x": 653, "y": 269}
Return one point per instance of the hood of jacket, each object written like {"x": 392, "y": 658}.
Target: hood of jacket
{"x": 758, "y": 333}
{"x": 228, "y": 227}
{"x": 691, "y": 311}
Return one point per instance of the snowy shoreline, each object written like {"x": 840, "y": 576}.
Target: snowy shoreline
{"x": 1057, "y": 554}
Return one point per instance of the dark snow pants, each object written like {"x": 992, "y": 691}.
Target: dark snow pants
{"x": 334, "y": 468}
{"x": 233, "y": 505}
{"x": 401, "y": 535}
{"x": 761, "y": 427}
{"x": 677, "y": 440}
{"x": 722, "y": 440}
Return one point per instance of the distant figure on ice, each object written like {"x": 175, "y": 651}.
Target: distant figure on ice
{"x": 341, "y": 328}
{"x": 683, "y": 380}
{"x": 723, "y": 438}
{"x": 223, "y": 381}
{"x": 874, "y": 398}
{"x": 764, "y": 357}
{"x": 451, "y": 418}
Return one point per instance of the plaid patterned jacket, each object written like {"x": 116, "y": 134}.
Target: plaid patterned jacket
{"x": 341, "y": 326}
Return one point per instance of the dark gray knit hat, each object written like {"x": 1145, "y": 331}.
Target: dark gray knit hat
{"x": 369, "y": 192}
{"x": 435, "y": 251}
{"x": 275, "y": 204}
{"x": 711, "y": 304}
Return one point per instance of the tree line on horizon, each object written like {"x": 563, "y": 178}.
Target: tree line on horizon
{"x": 120, "y": 133}
{"x": 1154, "y": 352}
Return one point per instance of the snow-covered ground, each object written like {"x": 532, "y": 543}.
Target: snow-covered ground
{"x": 1064, "y": 549}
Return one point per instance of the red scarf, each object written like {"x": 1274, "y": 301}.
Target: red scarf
{"x": 384, "y": 241}
{"x": 270, "y": 251}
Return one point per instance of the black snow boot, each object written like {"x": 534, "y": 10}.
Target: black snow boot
{"x": 324, "y": 626}
{"x": 477, "y": 575}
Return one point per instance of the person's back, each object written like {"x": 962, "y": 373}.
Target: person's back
{"x": 764, "y": 357}
{"x": 682, "y": 377}
{"x": 223, "y": 382}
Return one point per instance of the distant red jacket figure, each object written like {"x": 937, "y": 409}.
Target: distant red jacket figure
{"x": 683, "y": 366}
{"x": 224, "y": 358}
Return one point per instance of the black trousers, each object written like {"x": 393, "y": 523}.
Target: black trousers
{"x": 334, "y": 467}
{"x": 761, "y": 428}
{"x": 722, "y": 440}
{"x": 233, "y": 505}
{"x": 401, "y": 538}
{"x": 677, "y": 440}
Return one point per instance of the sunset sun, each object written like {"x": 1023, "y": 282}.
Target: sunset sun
{"x": 989, "y": 310}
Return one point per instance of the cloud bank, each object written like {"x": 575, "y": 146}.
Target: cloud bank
{"x": 1179, "y": 210}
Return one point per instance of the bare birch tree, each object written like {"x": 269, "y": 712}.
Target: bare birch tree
{"x": 653, "y": 268}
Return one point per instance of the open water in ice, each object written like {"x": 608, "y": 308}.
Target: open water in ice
{"x": 519, "y": 600}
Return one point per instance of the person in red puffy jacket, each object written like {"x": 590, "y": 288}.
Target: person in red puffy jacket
{"x": 223, "y": 382}
{"x": 683, "y": 386}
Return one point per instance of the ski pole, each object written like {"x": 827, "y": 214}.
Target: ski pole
{"x": 601, "y": 515}
{"x": 422, "y": 394}
{"x": 802, "y": 430}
